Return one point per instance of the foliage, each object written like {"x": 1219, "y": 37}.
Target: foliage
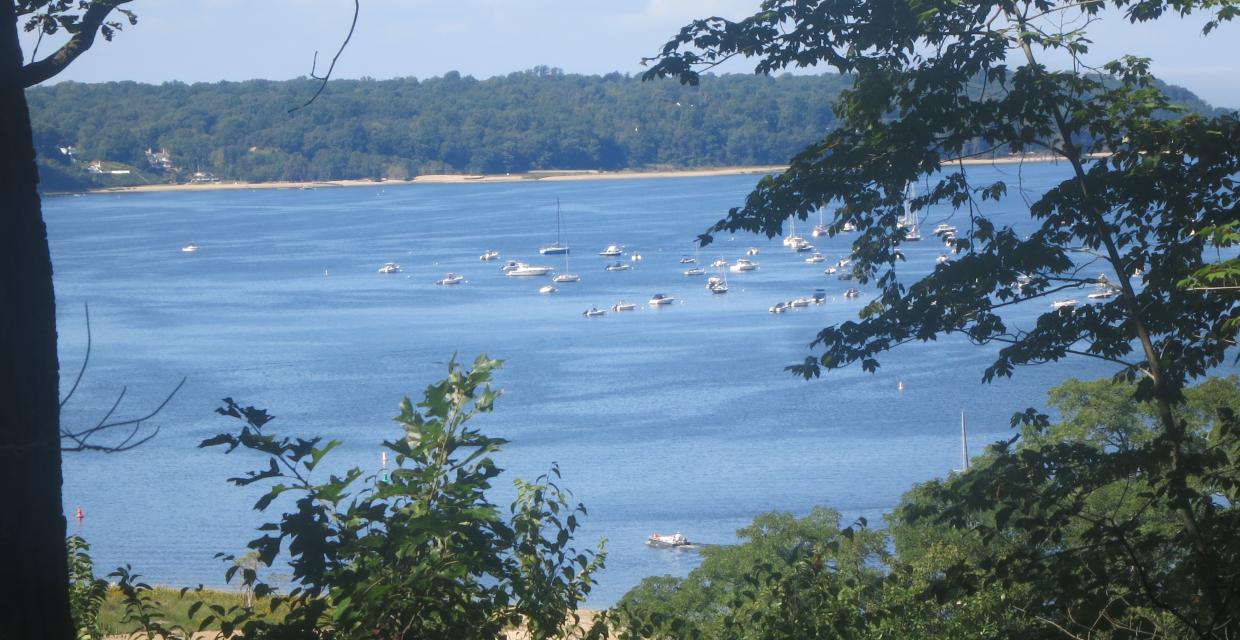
{"x": 86, "y": 592}
{"x": 1152, "y": 194}
{"x": 1078, "y": 527}
{"x": 1027, "y": 544}
{"x": 790, "y": 578}
{"x": 420, "y": 553}
{"x": 173, "y": 605}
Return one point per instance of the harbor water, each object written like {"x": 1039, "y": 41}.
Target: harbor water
{"x": 679, "y": 418}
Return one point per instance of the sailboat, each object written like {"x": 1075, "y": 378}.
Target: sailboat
{"x": 718, "y": 284}
{"x": 821, "y": 228}
{"x": 964, "y": 445}
{"x": 911, "y": 232}
{"x": 567, "y": 276}
{"x": 556, "y": 248}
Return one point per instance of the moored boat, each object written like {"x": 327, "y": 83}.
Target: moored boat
{"x": 524, "y": 270}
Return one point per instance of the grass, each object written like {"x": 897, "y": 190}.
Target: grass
{"x": 174, "y": 607}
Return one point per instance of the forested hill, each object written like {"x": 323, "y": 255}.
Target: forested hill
{"x": 541, "y": 119}
{"x": 538, "y": 119}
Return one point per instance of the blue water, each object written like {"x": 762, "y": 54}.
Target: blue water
{"x": 673, "y": 419}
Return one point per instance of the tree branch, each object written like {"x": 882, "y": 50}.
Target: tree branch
{"x": 48, "y": 67}
{"x": 323, "y": 81}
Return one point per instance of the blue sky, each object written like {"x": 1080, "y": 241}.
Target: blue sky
{"x": 210, "y": 40}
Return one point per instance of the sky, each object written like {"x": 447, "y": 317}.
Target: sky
{"x": 212, "y": 40}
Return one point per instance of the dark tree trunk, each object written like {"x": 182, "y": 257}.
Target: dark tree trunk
{"x": 34, "y": 598}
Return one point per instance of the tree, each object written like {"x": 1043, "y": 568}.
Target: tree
{"x": 419, "y": 552}
{"x": 34, "y": 595}
{"x": 1151, "y": 189}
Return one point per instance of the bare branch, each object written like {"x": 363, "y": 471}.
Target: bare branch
{"x": 85, "y": 359}
{"x": 323, "y": 81}
{"x": 48, "y": 67}
{"x": 80, "y": 439}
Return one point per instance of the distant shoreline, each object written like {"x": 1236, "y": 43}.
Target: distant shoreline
{"x": 540, "y": 176}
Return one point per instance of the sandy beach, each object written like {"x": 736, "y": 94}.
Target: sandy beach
{"x": 550, "y": 176}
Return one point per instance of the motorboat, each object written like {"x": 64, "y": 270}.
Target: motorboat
{"x": 751, "y": 251}
{"x": 719, "y": 263}
{"x": 843, "y": 263}
{"x": 389, "y": 267}
{"x": 488, "y": 255}
{"x": 794, "y": 241}
{"x": 849, "y": 227}
{"x": 612, "y": 251}
{"x": 1064, "y": 304}
{"x": 799, "y": 303}
{"x": 943, "y": 229}
{"x": 695, "y": 271}
{"x": 851, "y": 293}
{"x": 566, "y": 277}
{"x": 660, "y": 299}
{"x": 743, "y": 264}
{"x": 820, "y": 296}
{"x": 778, "y": 307}
{"x": 623, "y": 306}
{"x": 668, "y": 541}
{"x": 830, "y": 271}
{"x": 511, "y": 265}
{"x": 525, "y": 270}
{"x": 593, "y": 312}
{"x": 688, "y": 260}
{"x": 451, "y": 278}
{"x": 802, "y": 246}
{"x": 815, "y": 258}
{"x": 546, "y": 288}
{"x": 189, "y": 248}
{"x": 617, "y": 266}
{"x": 635, "y": 257}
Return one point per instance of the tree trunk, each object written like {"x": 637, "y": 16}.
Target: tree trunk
{"x": 34, "y": 596}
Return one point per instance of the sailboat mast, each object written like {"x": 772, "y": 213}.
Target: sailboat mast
{"x": 964, "y": 443}
{"x": 557, "y": 221}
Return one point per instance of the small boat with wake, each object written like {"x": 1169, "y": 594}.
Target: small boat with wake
{"x": 668, "y": 541}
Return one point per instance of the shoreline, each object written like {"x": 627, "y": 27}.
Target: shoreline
{"x": 539, "y": 176}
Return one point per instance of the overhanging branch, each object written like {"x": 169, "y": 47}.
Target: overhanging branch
{"x": 48, "y": 67}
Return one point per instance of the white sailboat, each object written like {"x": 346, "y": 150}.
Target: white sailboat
{"x": 964, "y": 445}
{"x": 567, "y": 276}
{"x": 911, "y": 231}
{"x": 556, "y": 248}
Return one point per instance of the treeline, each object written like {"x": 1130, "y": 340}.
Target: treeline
{"x": 540, "y": 119}
{"x": 532, "y": 120}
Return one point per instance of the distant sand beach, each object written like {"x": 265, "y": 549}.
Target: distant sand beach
{"x": 542, "y": 176}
